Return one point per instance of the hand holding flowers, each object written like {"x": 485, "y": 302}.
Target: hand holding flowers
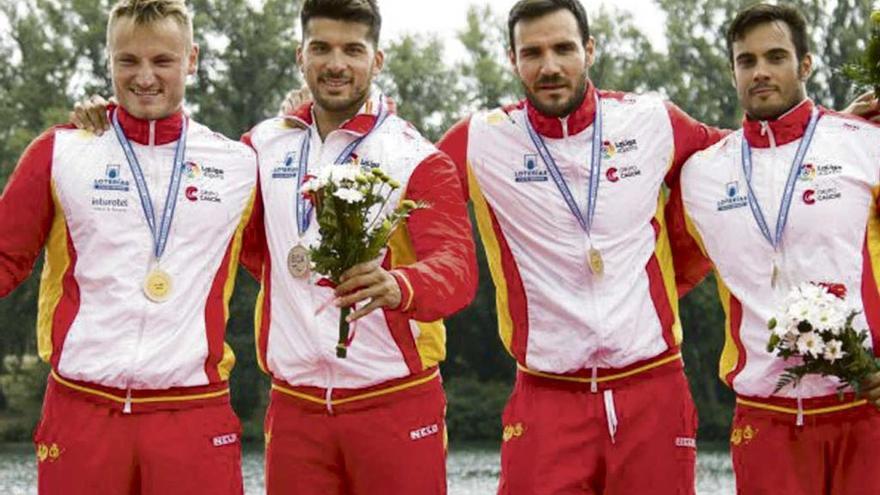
{"x": 349, "y": 208}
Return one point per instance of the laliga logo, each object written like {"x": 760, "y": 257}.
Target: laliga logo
{"x": 192, "y": 170}
{"x": 809, "y": 196}
{"x": 611, "y": 175}
{"x": 808, "y": 172}
{"x": 608, "y": 149}
{"x": 191, "y": 193}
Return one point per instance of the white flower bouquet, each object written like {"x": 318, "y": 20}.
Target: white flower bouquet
{"x": 349, "y": 204}
{"x": 816, "y": 328}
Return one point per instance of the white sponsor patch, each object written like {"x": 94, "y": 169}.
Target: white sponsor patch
{"x": 222, "y": 440}
{"x": 686, "y": 442}
{"x": 424, "y": 432}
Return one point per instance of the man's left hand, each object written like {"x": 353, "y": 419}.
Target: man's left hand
{"x": 368, "y": 281}
{"x": 871, "y": 389}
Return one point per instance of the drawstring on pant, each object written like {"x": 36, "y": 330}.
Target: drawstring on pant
{"x": 610, "y": 413}
{"x": 800, "y": 412}
{"x": 594, "y": 385}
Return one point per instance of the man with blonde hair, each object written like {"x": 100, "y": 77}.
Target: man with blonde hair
{"x": 142, "y": 228}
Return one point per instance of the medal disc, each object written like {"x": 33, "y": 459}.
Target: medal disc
{"x": 299, "y": 262}
{"x": 597, "y": 266}
{"x": 157, "y": 286}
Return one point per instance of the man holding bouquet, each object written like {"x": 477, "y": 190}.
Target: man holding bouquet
{"x": 790, "y": 199}
{"x": 372, "y": 422}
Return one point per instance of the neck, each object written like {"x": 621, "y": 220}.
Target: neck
{"x": 328, "y": 120}
{"x": 780, "y": 114}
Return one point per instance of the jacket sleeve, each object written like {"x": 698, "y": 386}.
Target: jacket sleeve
{"x": 688, "y": 256}
{"x": 26, "y": 212}
{"x": 443, "y": 279}
{"x": 689, "y": 136}
{"x": 254, "y": 248}
{"x": 455, "y": 144}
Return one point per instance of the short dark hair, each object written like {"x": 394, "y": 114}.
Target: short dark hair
{"x": 532, "y": 9}
{"x": 762, "y": 13}
{"x": 360, "y": 11}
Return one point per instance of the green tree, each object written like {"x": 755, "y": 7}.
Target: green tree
{"x": 425, "y": 89}
{"x": 486, "y": 73}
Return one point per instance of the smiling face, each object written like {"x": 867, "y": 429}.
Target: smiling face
{"x": 552, "y": 61}
{"x": 149, "y": 64}
{"x": 339, "y": 61}
{"x": 768, "y": 76}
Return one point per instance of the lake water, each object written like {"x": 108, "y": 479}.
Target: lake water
{"x": 471, "y": 471}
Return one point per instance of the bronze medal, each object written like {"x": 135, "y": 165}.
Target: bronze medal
{"x": 299, "y": 262}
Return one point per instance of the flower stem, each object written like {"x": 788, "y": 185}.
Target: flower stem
{"x": 342, "y": 344}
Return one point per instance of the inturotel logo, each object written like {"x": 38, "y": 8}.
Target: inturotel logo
{"x": 809, "y": 196}
{"x": 611, "y": 174}
{"x": 192, "y": 193}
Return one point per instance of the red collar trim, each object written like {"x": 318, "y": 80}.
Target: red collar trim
{"x": 138, "y": 130}
{"x": 786, "y": 129}
{"x": 359, "y": 124}
{"x": 578, "y": 120}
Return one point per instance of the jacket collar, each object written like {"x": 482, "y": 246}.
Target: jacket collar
{"x": 577, "y": 121}
{"x": 360, "y": 124}
{"x": 787, "y": 128}
{"x": 166, "y": 131}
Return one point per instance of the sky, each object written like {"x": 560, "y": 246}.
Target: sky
{"x": 446, "y": 17}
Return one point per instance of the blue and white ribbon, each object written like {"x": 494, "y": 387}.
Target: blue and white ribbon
{"x": 793, "y": 173}
{"x": 160, "y": 234}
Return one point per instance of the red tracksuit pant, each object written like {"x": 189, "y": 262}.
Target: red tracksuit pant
{"x": 836, "y": 453}
{"x": 558, "y": 436}
{"x": 389, "y": 444}
{"x": 88, "y": 448}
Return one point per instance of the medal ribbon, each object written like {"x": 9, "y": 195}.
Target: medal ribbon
{"x": 793, "y": 173}
{"x": 304, "y": 210}
{"x": 595, "y": 168}
{"x": 160, "y": 235}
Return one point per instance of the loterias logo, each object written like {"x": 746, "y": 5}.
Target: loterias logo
{"x": 530, "y": 172}
{"x": 287, "y": 169}
{"x": 112, "y": 180}
{"x": 733, "y": 199}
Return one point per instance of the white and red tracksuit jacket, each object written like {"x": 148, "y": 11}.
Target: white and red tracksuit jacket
{"x": 73, "y": 193}
{"x": 431, "y": 255}
{"x": 832, "y": 234}
{"x": 554, "y": 316}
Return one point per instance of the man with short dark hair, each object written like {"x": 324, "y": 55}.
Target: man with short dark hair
{"x": 791, "y": 198}
{"x": 132, "y": 306}
{"x": 372, "y": 423}
{"x": 567, "y": 186}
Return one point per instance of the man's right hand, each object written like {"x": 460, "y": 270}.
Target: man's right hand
{"x": 91, "y": 114}
{"x": 293, "y": 100}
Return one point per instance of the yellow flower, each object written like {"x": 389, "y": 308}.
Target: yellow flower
{"x": 408, "y": 204}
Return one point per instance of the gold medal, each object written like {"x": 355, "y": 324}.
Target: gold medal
{"x": 299, "y": 262}
{"x": 157, "y": 286}
{"x": 597, "y": 266}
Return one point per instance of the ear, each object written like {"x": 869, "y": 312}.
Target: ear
{"x": 805, "y": 69}
{"x": 511, "y": 57}
{"x": 193, "y": 62}
{"x": 590, "y": 52}
{"x": 378, "y": 62}
{"x": 732, "y": 76}
{"x": 299, "y": 57}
